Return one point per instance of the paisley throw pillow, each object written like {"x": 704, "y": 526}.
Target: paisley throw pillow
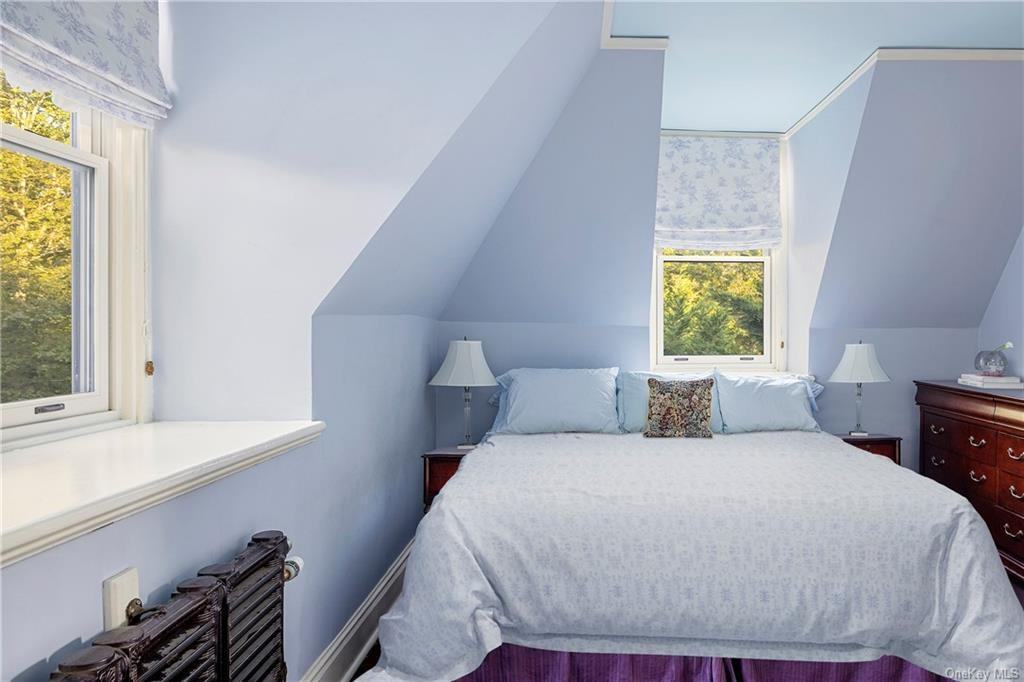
{"x": 679, "y": 409}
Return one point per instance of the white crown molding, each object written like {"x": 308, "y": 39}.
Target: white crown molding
{"x": 670, "y": 132}
{"x": 891, "y": 54}
{"x": 610, "y": 42}
{"x": 342, "y": 657}
{"x": 903, "y": 54}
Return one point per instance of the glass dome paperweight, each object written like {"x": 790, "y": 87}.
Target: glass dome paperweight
{"x": 992, "y": 362}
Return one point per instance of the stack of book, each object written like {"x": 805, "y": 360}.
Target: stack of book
{"x": 984, "y": 381}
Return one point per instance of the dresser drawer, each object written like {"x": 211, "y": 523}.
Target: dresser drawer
{"x": 1007, "y": 529}
{"x": 939, "y": 430}
{"x": 1011, "y": 453}
{"x": 885, "y": 449}
{"x": 1011, "y": 491}
{"x": 976, "y": 442}
{"x": 979, "y": 481}
{"x": 942, "y": 466}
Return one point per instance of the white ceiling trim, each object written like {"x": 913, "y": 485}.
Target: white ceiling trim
{"x": 671, "y": 132}
{"x": 902, "y": 54}
{"x": 610, "y": 42}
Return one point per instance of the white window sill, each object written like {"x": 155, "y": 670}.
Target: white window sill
{"x": 61, "y": 490}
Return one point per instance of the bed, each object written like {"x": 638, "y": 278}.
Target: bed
{"x": 774, "y": 545}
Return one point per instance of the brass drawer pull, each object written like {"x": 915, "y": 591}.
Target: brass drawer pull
{"x": 1016, "y": 536}
{"x": 1015, "y": 458}
{"x": 976, "y": 479}
{"x": 978, "y": 444}
{"x": 1014, "y": 495}
{"x": 937, "y": 462}
{"x": 937, "y": 430}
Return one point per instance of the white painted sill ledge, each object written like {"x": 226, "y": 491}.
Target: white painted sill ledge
{"x": 61, "y": 490}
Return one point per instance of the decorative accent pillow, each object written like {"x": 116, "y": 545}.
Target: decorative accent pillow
{"x": 633, "y": 396}
{"x": 679, "y": 408}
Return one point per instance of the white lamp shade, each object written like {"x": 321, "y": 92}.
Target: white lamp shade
{"x": 859, "y": 366}
{"x": 464, "y": 366}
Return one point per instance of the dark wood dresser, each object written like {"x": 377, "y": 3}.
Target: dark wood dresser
{"x": 972, "y": 440}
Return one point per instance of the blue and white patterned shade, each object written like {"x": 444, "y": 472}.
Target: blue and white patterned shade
{"x": 102, "y": 54}
{"x": 718, "y": 193}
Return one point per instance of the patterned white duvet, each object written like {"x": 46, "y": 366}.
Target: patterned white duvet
{"x": 785, "y": 545}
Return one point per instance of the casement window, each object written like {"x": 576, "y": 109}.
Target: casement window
{"x": 714, "y": 308}
{"x": 65, "y": 286}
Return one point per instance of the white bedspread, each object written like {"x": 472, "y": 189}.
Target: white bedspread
{"x": 784, "y": 545}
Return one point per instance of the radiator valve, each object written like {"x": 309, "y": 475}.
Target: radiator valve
{"x": 292, "y": 566}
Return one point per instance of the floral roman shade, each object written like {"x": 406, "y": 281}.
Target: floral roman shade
{"x": 102, "y": 54}
{"x": 718, "y": 193}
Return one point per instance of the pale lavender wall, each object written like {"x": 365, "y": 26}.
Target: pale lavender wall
{"x": 296, "y": 130}
{"x": 819, "y": 160}
{"x": 563, "y": 278}
{"x": 932, "y": 205}
{"x": 415, "y": 259}
{"x": 1004, "y": 318}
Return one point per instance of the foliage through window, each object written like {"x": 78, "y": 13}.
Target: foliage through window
{"x": 49, "y": 231}
{"x": 714, "y": 306}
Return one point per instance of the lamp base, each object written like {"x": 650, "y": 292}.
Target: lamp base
{"x": 466, "y": 446}
{"x": 859, "y": 433}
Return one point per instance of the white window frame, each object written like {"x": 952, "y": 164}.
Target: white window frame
{"x": 118, "y": 153}
{"x": 95, "y": 282}
{"x": 763, "y": 361}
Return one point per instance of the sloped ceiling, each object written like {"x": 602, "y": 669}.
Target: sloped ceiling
{"x": 573, "y": 244}
{"x": 760, "y": 66}
{"x": 819, "y": 157}
{"x": 932, "y": 202}
{"x": 297, "y": 129}
{"x": 414, "y": 261}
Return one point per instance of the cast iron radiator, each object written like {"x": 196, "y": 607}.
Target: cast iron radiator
{"x": 225, "y": 624}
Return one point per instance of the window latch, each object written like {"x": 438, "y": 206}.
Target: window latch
{"x": 150, "y": 368}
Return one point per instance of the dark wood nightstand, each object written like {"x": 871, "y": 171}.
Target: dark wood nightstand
{"x": 876, "y": 444}
{"x": 438, "y": 466}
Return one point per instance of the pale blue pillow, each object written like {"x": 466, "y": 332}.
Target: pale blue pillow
{"x": 750, "y": 403}
{"x": 634, "y": 395}
{"x": 557, "y": 401}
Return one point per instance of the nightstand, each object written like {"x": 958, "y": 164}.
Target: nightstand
{"x": 876, "y": 444}
{"x": 438, "y": 466}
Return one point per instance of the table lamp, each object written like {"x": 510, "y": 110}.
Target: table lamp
{"x": 859, "y": 365}
{"x": 465, "y": 366}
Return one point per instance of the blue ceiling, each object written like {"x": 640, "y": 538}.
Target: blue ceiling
{"x": 761, "y": 66}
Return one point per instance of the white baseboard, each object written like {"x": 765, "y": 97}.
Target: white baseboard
{"x": 341, "y": 658}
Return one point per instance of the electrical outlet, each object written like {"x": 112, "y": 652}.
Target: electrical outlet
{"x": 118, "y": 590}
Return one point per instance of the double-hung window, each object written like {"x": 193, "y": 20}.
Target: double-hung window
{"x": 73, "y": 304}
{"x": 714, "y": 308}
{"x": 53, "y": 274}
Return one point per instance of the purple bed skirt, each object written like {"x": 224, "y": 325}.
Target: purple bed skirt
{"x": 511, "y": 663}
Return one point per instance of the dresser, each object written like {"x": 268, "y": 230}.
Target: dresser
{"x": 972, "y": 440}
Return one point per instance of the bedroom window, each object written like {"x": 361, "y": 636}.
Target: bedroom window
{"x": 713, "y": 308}
{"x": 53, "y": 305}
{"x": 72, "y": 266}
